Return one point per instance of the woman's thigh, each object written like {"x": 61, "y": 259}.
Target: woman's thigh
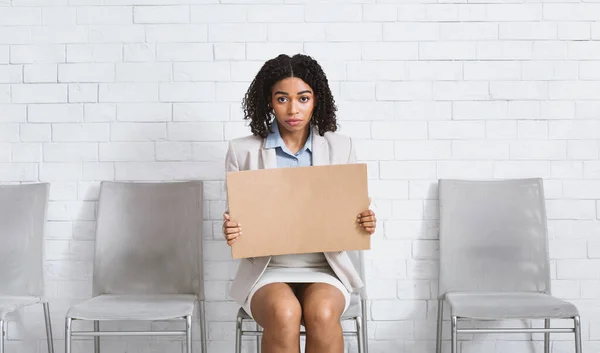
{"x": 276, "y": 304}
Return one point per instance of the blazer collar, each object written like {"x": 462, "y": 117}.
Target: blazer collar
{"x": 320, "y": 152}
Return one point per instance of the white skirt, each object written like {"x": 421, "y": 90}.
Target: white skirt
{"x": 297, "y": 275}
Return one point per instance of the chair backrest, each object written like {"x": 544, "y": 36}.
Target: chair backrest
{"x": 358, "y": 260}
{"x": 493, "y": 236}
{"x": 149, "y": 239}
{"x": 23, "y": 211}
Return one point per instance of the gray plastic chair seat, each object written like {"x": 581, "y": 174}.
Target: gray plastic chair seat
{"x": 9, "y": 304}
{"x": 134, "y": 307}
{"x": 352, "y": 311}
{"x": 497, "y": 305}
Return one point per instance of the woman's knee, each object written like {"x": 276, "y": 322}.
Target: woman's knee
{"x": 321, "y": 313}
{"x": 285, "y": 312}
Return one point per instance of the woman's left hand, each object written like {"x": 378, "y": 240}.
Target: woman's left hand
{"x": 368, "y": 221}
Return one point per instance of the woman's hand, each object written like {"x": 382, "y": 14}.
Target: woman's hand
{"x": 231, "y": 230}
{"x": 368, "y": 221}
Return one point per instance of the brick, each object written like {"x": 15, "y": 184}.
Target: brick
{"x": 144, "y": 72}
{"x": 70, "y": 152}
{"x": 482, "y": 110}
{"x": 70, "y": 211}
{"x": 558, "y": 110}
{"x": 5, "y": 152}
{"x": 357, "y": 91}
{"x": 20, "y": 16}
{"x": 86, "y": 72}
{"x": 230, "y": 91}
{"x": 574, "y": 31}
{"x": 504, "y": 50}
{"x": 155, "y": 171}
{"x": 117, "y": 34}
{"x": 99, "y": 113}
{"x": 206, "y": 131}
{"x": 528, "y": 31}
{"x": 11, "y": 74}
{"x": 229, "y": 51}
{"x": 582, "y": 149}
{"x": 359, "y": 32}
{"x": 399, "y": 130}
{"x": 89, "y": 132}
{"x": 532, "y": 130}
{"x": 128, "y": 92}
{"x": 571, "y": 209}
{"x": 456, "y": 129}
{"x": 27, "y": 152}
{"x": 422, "y": 150}
{"x": 452, "y": 50}
{"x": 591, "y": 170}
{"x": 406, "y": 32}
{"x": 161, "y": 14}
{"x": 280, "y": 13}
{"x": 540, "y": 70}
{"x": 247, "y": 70}
{"x": 550, "y": 50}
{"x": 174, "y": 151}
{"x": 390, "y": 50}
{"x": 15, "y": 35}
{"x": 59, "y": 15}
{"x": 4, "y": 54}
{"x": 379, "y": 13}
{"x": 209, "y": 71}
{"x": 83, "y": 93}
{"x": 595, "y": 30}
{"x": 40, "y": 73}
{"x": 39, "y": 93}
{"x": 62, "y": 34}
{"x": 266, "y": 51}
{"x": 187, "y": 52}
{"x": 575, "y": 129}
{"x": 35, "y": 133}
{"x": 55, "y": 113}
{"x": 465, "y": 169}
{"x": 5, "y": 94}
{"x": 407, "y": 209}
{"x": 461, "y": 90}
{"x": 588, "y": 70}
{"x": 209, "y": 151}
{"x": 538, "y": 150}
{"x": 145, "y": 112}
{"x": 218, "y": 14}
{"x": 522, "y": 169}
{"x": 576, "y": 90}
{"x": 398, "y": 310}
{"x": 139, "y": 52}
{"x": 571, "y": 12}
{"x": 138, "y": 132}
{"x": 519, "y": 90}
{"x": 333, "y": 51}
{"x": 357, "y": 130}
{"x": 187, "y": 92}
{"x": 126, "y": 151}
{"x": 13, "y": 113}
{"x": 480, "y": 150}
{"x": 407, "y": 170}
{"x": 19, "y": 172}
{"x": 371, "y": 150}
{"x": 200, "y": 112}
{"x": 237, "y": 33}
{"x": 333, "y": 13}
{"x": 60, "y": 172}
{"x": 492, "y": 70}
{"x": 96, "y": 53}
{"x": 432, "y": 70}
{"x": 577, "y": 269}
{"x": 357, "y": 111}
{"x": 423, "y": 110}
{"x": 104, "y": 15}
{"x": 468, "y": 31}
{"x": 98, "y": 171}
{"x": 422, "y": 269}
{"x": 403, "y": 91}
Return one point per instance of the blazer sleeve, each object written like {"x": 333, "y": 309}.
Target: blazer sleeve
{"x": 231, "y": 162}
{"x": 352, "y": 154}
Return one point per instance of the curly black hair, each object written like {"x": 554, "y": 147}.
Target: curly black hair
{"x": 257, "y": 98}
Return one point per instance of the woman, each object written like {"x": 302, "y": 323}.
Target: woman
{"x": 292, "y": 119}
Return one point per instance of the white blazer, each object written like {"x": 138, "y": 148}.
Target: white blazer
{"x": 249, "y": 153}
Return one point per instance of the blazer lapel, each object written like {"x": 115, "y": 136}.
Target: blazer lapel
{"x": 268, "y": 157}
{"x": 320, "y": 149}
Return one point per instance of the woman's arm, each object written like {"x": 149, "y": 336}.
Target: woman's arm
{"x": 231, "y": 162}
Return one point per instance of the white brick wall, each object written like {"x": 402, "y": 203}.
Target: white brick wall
{"x": 95, "y": 90}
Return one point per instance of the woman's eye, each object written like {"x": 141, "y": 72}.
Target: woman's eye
{"x": 281, "y": 99}
{"x": 304, "y": 99}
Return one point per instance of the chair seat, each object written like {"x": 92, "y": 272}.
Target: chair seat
{"x": 498, "y": 305}
{"x": 134, "y": 307}
{"x": 350, "y": 313}
{"x": 8, "y": 304}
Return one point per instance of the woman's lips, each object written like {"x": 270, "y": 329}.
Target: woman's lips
{"x": 293, "y": 121}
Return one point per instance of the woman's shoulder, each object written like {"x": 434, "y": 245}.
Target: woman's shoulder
{"x": 337, "y": 139}
{"x": 246, "y": 142}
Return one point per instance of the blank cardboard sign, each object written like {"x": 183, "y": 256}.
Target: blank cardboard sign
{"x": 298, "y": 210}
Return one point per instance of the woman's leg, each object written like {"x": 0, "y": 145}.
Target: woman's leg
{"x": 322, "y": 307}
{"x": 277, "y": 310}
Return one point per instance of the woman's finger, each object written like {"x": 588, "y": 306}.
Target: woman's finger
{"x": 230, "y": 224}
{"x": 368, "y": 224}
{"x": 231, "y": 236}
{"x": 226, "y": 216}
{"x": 233, "y": 230}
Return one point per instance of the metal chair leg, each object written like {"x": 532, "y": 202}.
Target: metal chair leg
{"x": 188, "y": 333}
{"x": 440, "y": 323}
{"x": 96, "y": 338}
{"x": 1, "y": 336}
{"x": 238, "y": 335}
{"x": 49, "y": 338}
{"x": 359, "y": 335}
{"x": 546, "y": 336}
{"x": 204, "y": 344}
{"x": 453, "y": 325}
{"x": 258, "y": 347}
{"x": 577, "y": 334}
{"x": 364, "y": 326}
{"x": 67, "y": 335}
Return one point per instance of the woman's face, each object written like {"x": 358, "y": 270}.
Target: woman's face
{"x": 293, "y": 102}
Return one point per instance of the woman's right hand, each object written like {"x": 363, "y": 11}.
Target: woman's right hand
{"x": 231, "y": 230}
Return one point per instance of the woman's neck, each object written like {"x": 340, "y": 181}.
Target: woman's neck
{"x": 294, "y": 140}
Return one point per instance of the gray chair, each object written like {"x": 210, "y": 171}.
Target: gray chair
{"x": 148, "y": 260}
{"x": 357, "y": 312}
{"x": 494, "y": 262}
{"x": 23, "y": 211}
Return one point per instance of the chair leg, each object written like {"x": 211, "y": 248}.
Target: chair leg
{"x": 454, "y": 335}
{"x": 238, "y": 335}
{"x": 257, "y": 327}
{"x": 359, "y": 335}
{"x": 577, "y": 334}
{"x": 546, "y": 336}
{"x": 49, "y": 337}
{"x": 364, "y": 326}
{"x": 204, "y": 344}
{"x": 188, "y": 333}
{"x": 96, "y": 338}
{"x": 68, "y": 335}
{"x": 440, "y": 322}
{"x": 1, "y": 336}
